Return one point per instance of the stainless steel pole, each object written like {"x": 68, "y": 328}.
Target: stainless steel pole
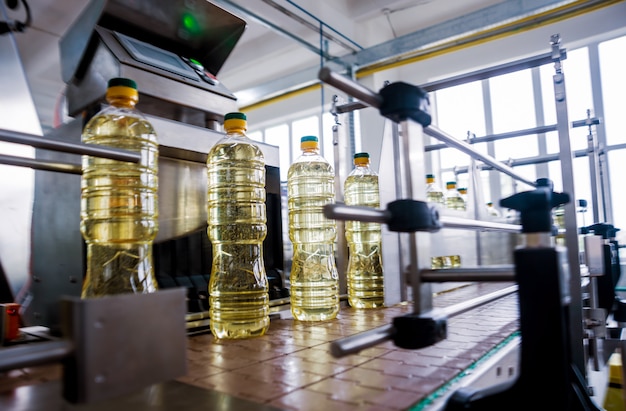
{"x": 67, "y": 147}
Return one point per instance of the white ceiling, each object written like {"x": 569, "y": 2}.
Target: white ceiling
{"x": 262, "y": 54}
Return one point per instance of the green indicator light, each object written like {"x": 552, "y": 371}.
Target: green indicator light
{"x": 190, "y": 23}
{"x": 194, "y": 61}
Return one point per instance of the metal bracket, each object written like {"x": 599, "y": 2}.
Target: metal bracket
{"x": 123, "y": 343}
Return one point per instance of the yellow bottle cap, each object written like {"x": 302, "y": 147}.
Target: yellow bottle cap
{"x": 361, "y": 159}
{"x": 120, "y": 87}
{"x": 309, "y": 142}
{"x": 234, "y": 121}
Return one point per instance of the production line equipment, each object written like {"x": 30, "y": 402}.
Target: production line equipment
{"x": 554, "y": 337}
{"x": 173, "y": 49}
{"x": 174, "y": 65}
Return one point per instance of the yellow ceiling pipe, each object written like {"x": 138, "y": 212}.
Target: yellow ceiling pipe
{"x": 570, "y": 10}
{"x": 564, "y": 12}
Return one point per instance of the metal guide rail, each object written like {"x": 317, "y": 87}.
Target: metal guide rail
{"x": 60, "y": 146}
{"x": 408, "y": 107}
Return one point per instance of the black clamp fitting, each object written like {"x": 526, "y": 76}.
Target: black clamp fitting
{"x": 401, "y": 101}
{"x": 536, "y": 206}
{"x": 408, "y": 216}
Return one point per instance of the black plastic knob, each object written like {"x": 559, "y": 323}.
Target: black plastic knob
{"x": 536, "y": 206}
{"x": 402, "y": 101}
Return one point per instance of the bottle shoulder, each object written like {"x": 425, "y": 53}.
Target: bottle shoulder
{"x": 114, "y": 121}
{"x": 310, "y": 164}
{"x": 362, "y": 171}
{"x": 236, "y": 147}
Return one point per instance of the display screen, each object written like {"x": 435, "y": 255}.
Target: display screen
{"x": 192, "y": 28}
{"x": 154, "y": 56}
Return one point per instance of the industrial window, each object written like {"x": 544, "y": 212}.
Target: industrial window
{"x": 277, "y": 136}
{"x": 595, "y": 87}
{"x": 512, "y": 102}
{"x": 612, "y": 67}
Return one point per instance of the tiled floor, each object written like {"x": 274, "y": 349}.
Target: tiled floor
{"x": 291, "y": 366}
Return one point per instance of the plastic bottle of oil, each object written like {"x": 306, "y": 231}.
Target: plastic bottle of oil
{"x": 491, "y": 210}
{"x": 463, "y": 193}
{"x": 434, "y": 194}
{"x": 313, "y": 278}
{"x": 238, "y": 288}
{"x": 365, "y": 269}
{"x": 453, "y": 198}
{"x": 119, "y": 214}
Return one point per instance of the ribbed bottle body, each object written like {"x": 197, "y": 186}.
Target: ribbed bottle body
{"x": 435, "y": 197}
{"x": 454, "y": 201}
{"x": 314, "y": 277}
{"x": 365, "y": 270}
{"x": 119, "y": 208}
{"x": 238, "y": 289}
{"x": 434, "y": 193}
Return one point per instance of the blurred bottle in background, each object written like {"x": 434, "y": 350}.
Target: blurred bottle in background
{"x": 453, "y": 199}
{"x": 463, "y": 193}
{"x": 491, "y": 210}
{"x": 434, "y": 194}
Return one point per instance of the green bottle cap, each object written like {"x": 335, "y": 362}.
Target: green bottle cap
{"x": 236, "y": 115}
{"x": 121, "y": 81}
{"x": 430, "y": 176}
{"x": 361, "y": 155}
{"x": 308, "y": 138}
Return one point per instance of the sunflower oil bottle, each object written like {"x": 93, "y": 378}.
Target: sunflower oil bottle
{"x": 491, "y": 210}
{"x": 365, "y": 269}
{"x": 314, "y": 278}
{"x": 119, "y": 213}
{"x": 463, "y": 193}
{"x": 453, "y": 199}
{"x": 238, "y": 287}
{"x": 434, "y": 194}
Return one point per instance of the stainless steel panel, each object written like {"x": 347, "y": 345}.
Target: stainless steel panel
{"x": 182, "y": 197}
{"x": 123, "y": 343}
{"x": 17, "y": 113}
{"x": 171, "y": 395}
{"x": 56, "y": 242}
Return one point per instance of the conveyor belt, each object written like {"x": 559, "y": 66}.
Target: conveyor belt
{"x": 291, "y": 366}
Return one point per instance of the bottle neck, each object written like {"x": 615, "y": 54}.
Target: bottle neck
{"x": 310, "y": 151}
{"x": 236, "y": 131}
{"x": 122, "y": 102}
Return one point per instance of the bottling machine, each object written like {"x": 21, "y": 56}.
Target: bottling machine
{"x": 174, "y": 51}
{"x": 184, "y": 100}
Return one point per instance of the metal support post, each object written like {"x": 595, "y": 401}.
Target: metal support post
{"x": 571, "y": 229}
